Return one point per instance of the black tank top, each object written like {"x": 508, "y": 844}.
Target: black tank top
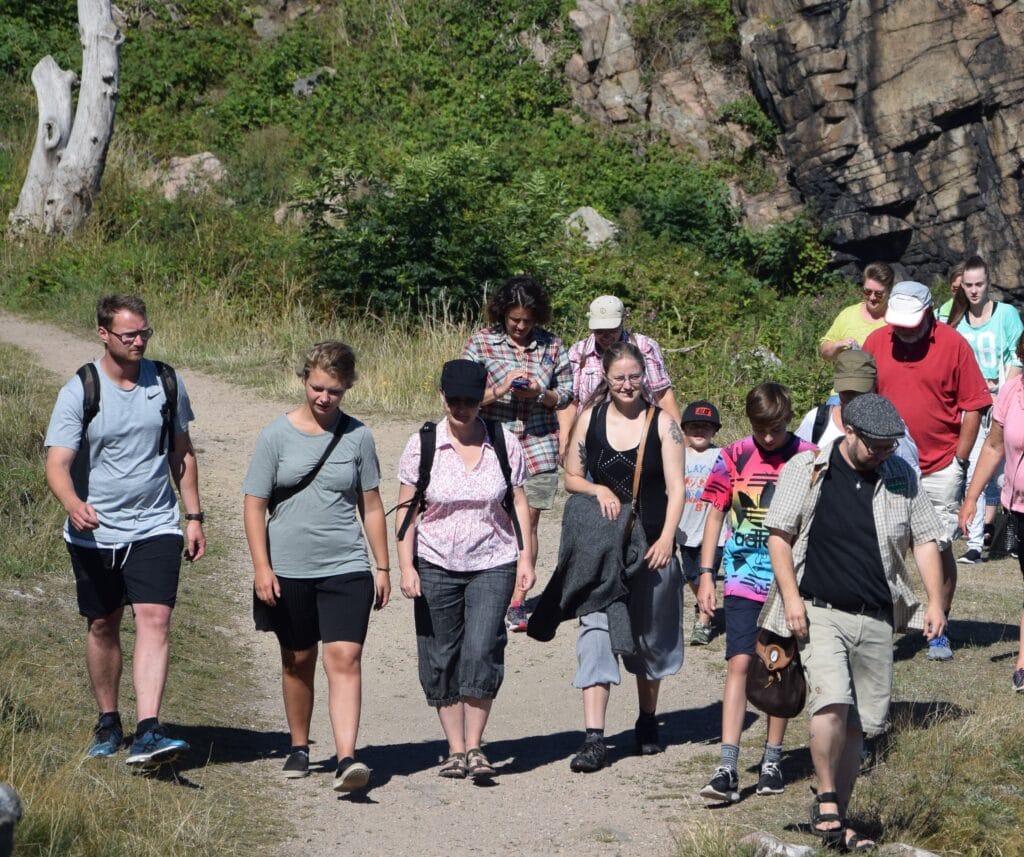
{"x": 614, "y": 469}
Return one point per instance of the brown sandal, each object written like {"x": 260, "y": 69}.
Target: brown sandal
{"x": 479, "y": 767}
{"x": 454, "y": 767}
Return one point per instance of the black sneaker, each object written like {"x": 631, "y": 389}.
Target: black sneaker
{"x": 723, "y": 786}
{"x": 296, "y": 765}
{"x": 770, "y": 782}
{"x": 592, "y": 756}
{"x": 646, "y": 731}
{"x": 972, "y": 557}
{"x": 351, "y": 775}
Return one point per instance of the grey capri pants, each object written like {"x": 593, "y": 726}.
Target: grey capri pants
{"x": 656, "y": 615}
{"x": 460, "y": 631}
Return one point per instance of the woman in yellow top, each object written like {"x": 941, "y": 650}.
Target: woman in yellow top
{"x": 852, "y": 326}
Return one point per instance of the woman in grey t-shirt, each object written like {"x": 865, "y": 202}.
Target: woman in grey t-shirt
{"x": 312, "y": 574}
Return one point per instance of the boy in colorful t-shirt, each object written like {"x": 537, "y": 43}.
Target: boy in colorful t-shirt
{"x": 742, "y": 483}
{"x": 700, "y": 424}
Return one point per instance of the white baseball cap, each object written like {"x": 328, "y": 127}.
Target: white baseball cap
{"x": 606, "y": 313}
{"x": 908, "y": 303}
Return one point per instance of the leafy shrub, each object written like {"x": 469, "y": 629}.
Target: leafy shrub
{"x": 659, "y": 27}
{"x": 441, "y": 226}
{"x": 747, "y": 113}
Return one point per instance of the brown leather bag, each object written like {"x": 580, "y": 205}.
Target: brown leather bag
{"x": 775, "y": 678}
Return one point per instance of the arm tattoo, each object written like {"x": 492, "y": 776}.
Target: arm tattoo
{"x": 582, "y": 448}
{"x": 674, "y": 432}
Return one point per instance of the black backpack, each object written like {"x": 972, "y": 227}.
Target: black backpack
{"x": 90, "y": 378}
{"x": 820, "y": 420}
{"x": 428, "y": 439}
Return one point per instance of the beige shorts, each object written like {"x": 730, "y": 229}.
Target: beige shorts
{"x": 541, "y": 489}
{"x": 945, "y": 489}
{"x": 847, "y": 658}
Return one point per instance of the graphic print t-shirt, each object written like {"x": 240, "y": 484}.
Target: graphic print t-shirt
{"x": 742, "y": 483}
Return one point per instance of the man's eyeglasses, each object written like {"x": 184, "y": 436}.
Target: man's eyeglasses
{"x": 620, "y": 380}
{"x": 879, "y": 448}
{"x": 130, "y": 336}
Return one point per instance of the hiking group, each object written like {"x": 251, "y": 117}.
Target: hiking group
{"x": 808, "y": 529}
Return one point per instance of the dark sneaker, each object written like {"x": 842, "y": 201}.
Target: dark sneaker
{"x": 723, "y": 786}
{"x": 296, "y": 765}
{"x": 939, "y": 649}
{"x": 701, "y": 634}
{"x": 351, "y": 775}
{"x": 972, "y": 557}
{"x": 107, "y": 737}
{"x": 648, "y": 742}
{"x": 592, "y": 756}
{"x": 516, "y": 617}
{"x": 1018, "y": 680}
{"x": 155, "y": 748}
{"x": 770, "y": 782}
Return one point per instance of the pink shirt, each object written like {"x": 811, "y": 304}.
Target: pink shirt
{"x": 587, "y": 371}
{"x": 464, "y": 527}
{"x": 1009, "y": 413}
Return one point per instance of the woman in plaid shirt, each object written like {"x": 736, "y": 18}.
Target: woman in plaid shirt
{"x": 528, "y": 380}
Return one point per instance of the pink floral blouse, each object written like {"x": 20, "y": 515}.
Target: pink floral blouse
{"x": 464, "y": 527}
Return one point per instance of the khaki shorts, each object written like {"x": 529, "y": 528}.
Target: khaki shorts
{"x": 945, "y": 489}
{"x": 541, "y": 489}
{"x": 848, "y": 661}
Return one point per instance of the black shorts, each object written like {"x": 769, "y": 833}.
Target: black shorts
{"x": 143, "y": 572}
{"x": 313, "y": 609}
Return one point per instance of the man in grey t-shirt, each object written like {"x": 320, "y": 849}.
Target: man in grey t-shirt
{"x": 113, "y": 476}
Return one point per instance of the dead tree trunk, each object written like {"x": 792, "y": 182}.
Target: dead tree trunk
{"x": 68, "y": 159}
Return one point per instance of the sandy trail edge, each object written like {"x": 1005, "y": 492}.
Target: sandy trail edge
{"x": 636, "y": 806}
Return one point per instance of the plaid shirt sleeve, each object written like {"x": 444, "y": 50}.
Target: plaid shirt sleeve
{"x": 657, "y": 375}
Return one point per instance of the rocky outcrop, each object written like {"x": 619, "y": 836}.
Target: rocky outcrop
{"x": 194, "y": 174}
{"x": 903, "y": 122}
{"x": 684, "y": 98}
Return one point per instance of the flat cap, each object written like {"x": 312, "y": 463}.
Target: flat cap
{"x": 875, "y": 417}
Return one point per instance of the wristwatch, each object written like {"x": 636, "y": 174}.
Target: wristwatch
{"x": 195, "y": 516}
{"x": 706, "y": 569}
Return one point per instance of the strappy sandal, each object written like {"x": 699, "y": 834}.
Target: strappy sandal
{"x": 831, "y": 837}
{"x": 479, "y": 767}
{"x": 454, "y": 767}
{"x": 855, "y": 843}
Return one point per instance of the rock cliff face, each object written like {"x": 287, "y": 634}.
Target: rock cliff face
{"x": 903, "y": 123}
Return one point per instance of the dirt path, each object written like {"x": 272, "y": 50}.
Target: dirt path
{"x": 634, "y": 807}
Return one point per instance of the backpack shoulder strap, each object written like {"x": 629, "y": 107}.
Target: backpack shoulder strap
{"x": 820, "y": 420}
{"x": 428, "y": 442}
{"x": 90, "y": 378}
{"x": 169, "y": 411}
{"x": 496, "y": 434}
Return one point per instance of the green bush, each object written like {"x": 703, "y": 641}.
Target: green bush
{"x": 659, "y": 26}
{"x": 747, "y": 113}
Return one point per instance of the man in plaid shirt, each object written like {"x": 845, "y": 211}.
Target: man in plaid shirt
{"x": 839, "y": 527}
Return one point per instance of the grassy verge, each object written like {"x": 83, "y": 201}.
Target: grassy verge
{"x": 96, "y": 808}
{"x": 949, "y": 774}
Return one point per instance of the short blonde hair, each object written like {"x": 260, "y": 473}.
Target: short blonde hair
{"x": 333, "y": 357}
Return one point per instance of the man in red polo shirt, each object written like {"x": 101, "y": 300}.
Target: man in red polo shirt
{"x": 928, "y": 371}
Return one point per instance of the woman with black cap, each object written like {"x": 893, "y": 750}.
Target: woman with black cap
{"x": 460, "y": 560}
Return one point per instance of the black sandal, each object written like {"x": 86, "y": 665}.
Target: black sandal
{"x": 454, "y": 767}
{"x": 831, "y": 837}
{"x": 855, "y": 843}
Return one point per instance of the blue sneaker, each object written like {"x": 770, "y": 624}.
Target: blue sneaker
{"x": 939, "y": 649}
{"x": 107, "y": 737}
{"x": 155, "y": 748}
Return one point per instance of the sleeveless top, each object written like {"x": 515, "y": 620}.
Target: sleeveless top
{"x": 614, "y": 469}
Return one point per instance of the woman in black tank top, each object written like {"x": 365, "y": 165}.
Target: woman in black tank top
{"x": 604, "y": 442}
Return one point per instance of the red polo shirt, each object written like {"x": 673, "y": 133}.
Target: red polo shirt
{"x": 930, "y": 382}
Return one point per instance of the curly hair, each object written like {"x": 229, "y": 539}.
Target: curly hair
{"x": 524, "y": 291}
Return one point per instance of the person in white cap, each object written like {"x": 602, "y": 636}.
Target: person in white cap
{"x": 605, "y": 319}
{"x": 928, "y": 371}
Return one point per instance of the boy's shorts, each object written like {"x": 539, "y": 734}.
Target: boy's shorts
{"x": 740, "y": 625}
{"x": 142, "y": 572}
{"x": 690, "y": 556}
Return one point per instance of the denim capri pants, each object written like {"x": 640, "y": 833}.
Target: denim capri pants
{"x": 460, "y": 631}
{"x": 656, "y": 616}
